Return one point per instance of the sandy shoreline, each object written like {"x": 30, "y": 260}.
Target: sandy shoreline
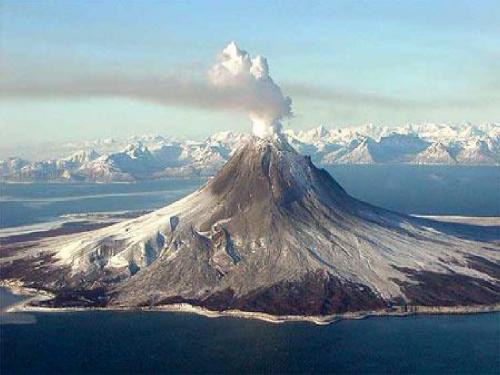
{"x": 16, "y": 287}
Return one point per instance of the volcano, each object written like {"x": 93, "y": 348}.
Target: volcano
{"x": 270, "y": 233}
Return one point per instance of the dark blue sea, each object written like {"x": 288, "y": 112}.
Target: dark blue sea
{"x": 152, "y": 342}
{"x": 155, "y": 342}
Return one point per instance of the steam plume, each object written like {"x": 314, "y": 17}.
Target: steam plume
{"x": 264, "y": 100}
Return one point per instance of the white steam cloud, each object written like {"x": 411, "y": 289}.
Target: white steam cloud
{"x": 265, "y": 102}
{"x": 236, "y": 83}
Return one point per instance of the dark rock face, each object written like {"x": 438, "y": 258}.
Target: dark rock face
{"x": 317, "y": 293}
{"x": 438, "y": 289}
{"x": 97, "y": 297}
{"x": 484, "y": 265}
{"x": 29, "y": 271}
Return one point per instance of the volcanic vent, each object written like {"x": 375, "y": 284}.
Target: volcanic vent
{"x": 270, "y": 233}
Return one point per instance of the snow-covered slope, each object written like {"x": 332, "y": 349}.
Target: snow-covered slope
{"x": 270, "y": 233}
{"x": 150, "y": 157}
{"x": 436, "y": 153}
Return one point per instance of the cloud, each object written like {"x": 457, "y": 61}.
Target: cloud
{"x": 343, "y": 96}
{"x": 235, "y": 83}
{"x": 162, "y": 90}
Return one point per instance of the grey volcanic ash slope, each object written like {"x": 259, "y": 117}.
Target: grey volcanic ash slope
{"x": 270, "y": 233}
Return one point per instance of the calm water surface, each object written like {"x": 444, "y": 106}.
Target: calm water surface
{"x": 426, "y": 190}
{"x": 23, "y": 204}
{"x": 101, "y": 342}
{"x": 131, "y": 342}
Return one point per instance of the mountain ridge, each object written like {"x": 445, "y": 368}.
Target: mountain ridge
{"x": 153, "y": 157}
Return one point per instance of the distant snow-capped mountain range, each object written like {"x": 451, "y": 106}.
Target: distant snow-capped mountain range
{"x": 150, "y": 157}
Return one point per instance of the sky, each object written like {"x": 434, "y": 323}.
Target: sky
{"x": 343, "y": 63}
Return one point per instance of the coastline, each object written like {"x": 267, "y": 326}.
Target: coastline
{"x": 17, "y": 287}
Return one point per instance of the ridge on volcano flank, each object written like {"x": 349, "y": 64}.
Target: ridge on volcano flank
{"x": 269, "y": 181}
{"x": 270, "y": 233}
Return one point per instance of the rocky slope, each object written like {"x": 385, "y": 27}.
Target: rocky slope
{"x": 150, "y": 157}
{"x": 270, "y": 233}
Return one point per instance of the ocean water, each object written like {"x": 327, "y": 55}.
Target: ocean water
{"x": 426, "y": 190}
{"x": 153, "y": 342}
{"x": 23, "y": 204}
